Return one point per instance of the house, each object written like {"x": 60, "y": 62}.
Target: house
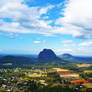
{"x": 79, "y": 81}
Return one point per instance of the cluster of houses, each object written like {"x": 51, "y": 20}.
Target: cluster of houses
{"x": 16, "y": 83}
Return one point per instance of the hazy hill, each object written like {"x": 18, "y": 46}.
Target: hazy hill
{"x": 76, "y": 59}
{"x": 15, "y": 60}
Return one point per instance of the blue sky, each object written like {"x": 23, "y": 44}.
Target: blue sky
{"x": 28, "y": 26}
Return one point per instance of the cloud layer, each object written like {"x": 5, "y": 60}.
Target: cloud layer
{"x": 76, "y": 20}
{"x": 22, "y": 18}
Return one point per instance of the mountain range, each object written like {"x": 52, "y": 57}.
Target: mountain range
{"x": 46, "y": 55}
{"x": 15, "y": 60}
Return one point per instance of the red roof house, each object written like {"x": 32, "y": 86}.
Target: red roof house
{"x": 79, "y": 81}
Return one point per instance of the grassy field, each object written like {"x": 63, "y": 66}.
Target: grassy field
{"x": 83, "y": 65}
{"x": 88, "y": 71}
{"x": 36, "y": 75}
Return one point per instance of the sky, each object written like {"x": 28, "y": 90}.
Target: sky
{"x": 29, "y": 26}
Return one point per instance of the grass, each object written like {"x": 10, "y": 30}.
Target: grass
{"x": 88, "y": 71}
{"x": 83, "y": 65}
{"x": 36, "y": 75}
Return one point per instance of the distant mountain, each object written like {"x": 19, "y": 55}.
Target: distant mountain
{"x": 67, "y": 55}
{"x": 84, "y": 59}
{"x": 2, "y": 55}
{"x": 15, "y": 60}
{"x": 76, "y": 59}
{"x": 47, "y": 55}
{"x": 25, "y": 55}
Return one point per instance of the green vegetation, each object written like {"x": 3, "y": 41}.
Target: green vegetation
{"x": 41, "y": 78}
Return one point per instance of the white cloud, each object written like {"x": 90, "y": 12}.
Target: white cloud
{"x": 36, "y": 42}
{"x": 67, "y": 41}
{"x": 77, "y": 19}
{"x": 64, "y": 50}
{"x": 70, "y": 45}
{"x": 79, "y": 51}
{"x": 86, "y": 43}
{"x": 82, "y": 51}
{"x": 39, "y": 41}
{"x": 45, "y": 10}
{"x": 45, "y": 17}
{"x": 24, "y": 19}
